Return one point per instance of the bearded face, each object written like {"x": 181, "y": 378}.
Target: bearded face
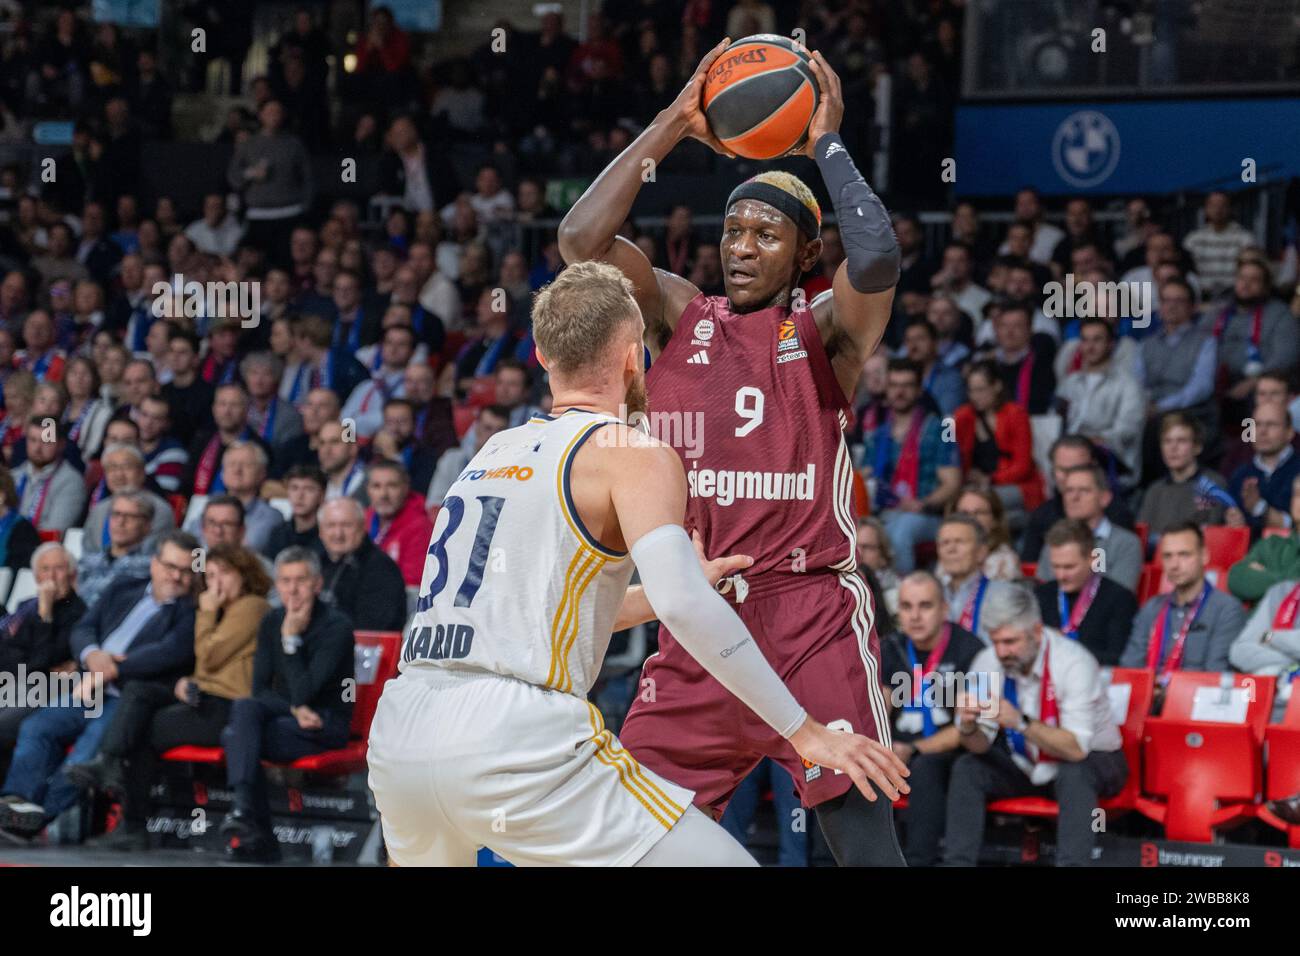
{"x": 636, "y": 399}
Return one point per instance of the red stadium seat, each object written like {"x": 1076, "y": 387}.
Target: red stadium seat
{"x": 1220, "y": 575}
{"x": 1199, "y": 775}
{"x": 861, "y": 500}
{"x": 1153, "y": 581}
{"x": 1149, "y": 582}
{"x": 1282, "y": 775}
{"x": 352, "y": 757}
{"x": 1029, "y": 569}
{"x": 191, "y": 754}
{"x": 452, "y": 344}
{"x": 1143, "y": 531}
{"x": 179, "y": 505}
{"x": 1141, "y": 683}
{"x": 1226, "y": 546}
{"x": 462, "y": 416}
{"x": 372, "y": 674}
{"x": 50, "y": 534}
{"x": 482, "y": 392}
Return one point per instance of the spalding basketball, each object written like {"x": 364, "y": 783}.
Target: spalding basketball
{"x": 760, "y": 95}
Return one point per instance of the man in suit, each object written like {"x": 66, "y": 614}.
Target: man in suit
{"x": 1119, "y": 552}
{"x": 1081, "y": 603}
{"x": 144, "y": 631}
{"x": 299, "y": 705}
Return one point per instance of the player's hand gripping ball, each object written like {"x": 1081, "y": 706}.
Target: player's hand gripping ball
{"x": 760, "y": 96}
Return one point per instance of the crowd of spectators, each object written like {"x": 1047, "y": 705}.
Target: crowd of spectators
{"x": 305, "y": 449}
{"x": 1097, "y": 444}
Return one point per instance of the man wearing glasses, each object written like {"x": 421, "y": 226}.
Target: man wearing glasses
{"x": 143, "y": 630}
{"x": 130, "y": 519}
{"x": 124, "y": 470}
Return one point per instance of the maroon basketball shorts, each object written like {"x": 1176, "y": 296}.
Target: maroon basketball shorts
{"x": 817, "y": 631}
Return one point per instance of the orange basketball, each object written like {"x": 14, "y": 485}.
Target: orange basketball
{"x": 760, "y": 95}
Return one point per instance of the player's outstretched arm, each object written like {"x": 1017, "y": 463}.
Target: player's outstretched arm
{"x": 856, "y": 310}
{"x": 590, "y": 229}
{"x": 648, "y": 493}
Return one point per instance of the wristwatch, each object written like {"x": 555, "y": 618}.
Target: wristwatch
{"x": 1025, "y": 721}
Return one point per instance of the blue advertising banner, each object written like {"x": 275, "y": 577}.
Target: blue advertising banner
{"x": 126, "y": 13}
{"x": 1152, "y": 146}
{"x": 419, "y": 16}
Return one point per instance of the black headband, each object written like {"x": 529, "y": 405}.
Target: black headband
{"x": 780, "y": 200}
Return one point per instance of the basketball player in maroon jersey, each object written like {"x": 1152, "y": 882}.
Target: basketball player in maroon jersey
{"x": 771, "y": 378}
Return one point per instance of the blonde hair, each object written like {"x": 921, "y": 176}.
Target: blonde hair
{"x": 576, "y": 317}
{"x": 792, "y": 184}
{"x": 21, "y": 384}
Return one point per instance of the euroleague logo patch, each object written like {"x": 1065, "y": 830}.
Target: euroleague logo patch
{"x": 787, "y": 343}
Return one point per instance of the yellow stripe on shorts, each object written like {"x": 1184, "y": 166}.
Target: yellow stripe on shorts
{"x": 630, "y": 773}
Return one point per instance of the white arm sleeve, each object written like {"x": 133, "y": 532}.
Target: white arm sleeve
{"x": 708, "y": 629}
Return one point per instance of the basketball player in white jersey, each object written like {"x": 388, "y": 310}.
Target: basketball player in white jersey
{"x": 487, "y": 738}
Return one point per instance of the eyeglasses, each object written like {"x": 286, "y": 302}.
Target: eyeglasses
{"x": 183, "y": 570}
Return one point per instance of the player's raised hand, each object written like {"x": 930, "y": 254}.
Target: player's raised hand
{"x": 688, "y": 108}
{"x": 830, "y": 104}
{"x": 719, "y": 568}
{"x": 865, "y": 761}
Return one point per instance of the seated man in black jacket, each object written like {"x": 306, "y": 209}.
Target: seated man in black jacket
{"x": 1082, "y": 603}
{"x": 35, "y": 638}
{"x": 305, "y": 489}
{"x": 140, "y": 629}
{"x": 299, "y": 705}
{"x": 360, "y": 580}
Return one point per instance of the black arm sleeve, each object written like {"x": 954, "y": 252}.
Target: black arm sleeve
{"x": 871, "y": 250}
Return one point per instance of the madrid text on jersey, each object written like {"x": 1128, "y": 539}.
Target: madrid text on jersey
{"x": 439, "y": 642}
{"x": 726, "y": 486}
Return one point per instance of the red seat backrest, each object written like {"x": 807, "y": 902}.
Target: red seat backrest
{"x": 462, "y": 416}
{"x": 50, "y": 534}
{"x": 180, "y": 504}
{"x": 1142, "y": 684}
{"x": 1184, "y": 684}
{"x": 1149, "y": 582}
{"x": 861, "y": 501}
{"x": 371, "y": 680}
{"x": 1226, "y": 546}
{"x": 1197, "y": 765}
{"x": 1283, "y": 777}
{"x": 1292, "y": 716}
{"x": 482, "y": 393}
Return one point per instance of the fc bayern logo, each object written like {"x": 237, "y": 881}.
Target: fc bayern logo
{"x": 1085, "y": 149}
{"x": 704, "y": 329}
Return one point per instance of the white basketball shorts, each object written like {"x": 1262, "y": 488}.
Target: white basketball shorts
{"x": 464, "y": 759}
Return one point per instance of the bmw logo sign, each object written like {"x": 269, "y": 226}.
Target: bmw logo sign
{"x": 1085, "y": 149}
